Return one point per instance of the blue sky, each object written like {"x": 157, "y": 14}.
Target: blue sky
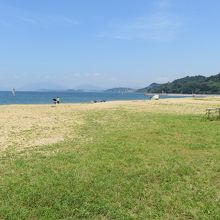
{"x": 106, "y": 43}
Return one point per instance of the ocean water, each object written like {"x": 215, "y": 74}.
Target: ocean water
{"x": 68, "y": 97}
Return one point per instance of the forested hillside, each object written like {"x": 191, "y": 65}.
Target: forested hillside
{"x": 188, "y": 85}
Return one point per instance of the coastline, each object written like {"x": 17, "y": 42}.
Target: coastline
{"x": 39, "y": 98}
{"x": 180, "y": 98}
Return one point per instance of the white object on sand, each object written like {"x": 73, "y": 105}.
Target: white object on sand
{"x": 155, "y": 97}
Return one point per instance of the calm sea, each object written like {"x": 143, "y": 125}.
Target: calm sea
{"x": 67, "y": 97}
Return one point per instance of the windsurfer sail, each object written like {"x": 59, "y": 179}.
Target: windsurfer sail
{"x": 13, "y": 92}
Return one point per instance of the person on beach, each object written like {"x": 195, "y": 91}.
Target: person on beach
{"x": 56, "y": 100}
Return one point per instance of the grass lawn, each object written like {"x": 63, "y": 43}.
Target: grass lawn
{"x": 119, "y": 164}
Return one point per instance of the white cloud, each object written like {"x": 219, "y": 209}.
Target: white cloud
{"x": 93, "y": 75}
{"x": 14, "y": 16}
{"x": 160, "y": 24}
{"x": 46, "y": 21}
{"x": 163, "y": 4}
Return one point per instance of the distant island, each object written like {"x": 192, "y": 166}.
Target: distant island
{"x": 187, "y": 85}
{"x": 74, "y": 90}
{"x": 119, "y": 90}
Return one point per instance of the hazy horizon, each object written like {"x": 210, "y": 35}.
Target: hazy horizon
{"x": 105, "y": 44}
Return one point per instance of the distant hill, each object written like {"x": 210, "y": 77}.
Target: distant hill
{"x": 120, "y": 90}
{"x": 151, "y": 86}
{"x": 188, "y": 85}
{"x": 74, "y": 90}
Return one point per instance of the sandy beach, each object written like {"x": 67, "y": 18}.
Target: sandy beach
{"x": 75, "y": 161}
{"x": 24, "y": 126}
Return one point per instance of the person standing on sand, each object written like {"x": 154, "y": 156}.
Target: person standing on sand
{"x": 58, "y": 100}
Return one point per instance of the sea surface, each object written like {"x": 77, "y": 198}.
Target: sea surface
{"x": 69, "y": 97}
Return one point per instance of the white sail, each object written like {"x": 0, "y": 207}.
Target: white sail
{"x": 13, "y": 92}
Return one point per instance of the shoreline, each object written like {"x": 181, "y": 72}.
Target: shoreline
{"x": 182, "y": 97}
{"x": 91, "y": 102}
{"x": 171, "y": 100}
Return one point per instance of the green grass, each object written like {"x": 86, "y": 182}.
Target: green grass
{"x": 122, "y": 165}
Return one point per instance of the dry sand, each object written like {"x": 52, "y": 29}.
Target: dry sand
{"x": 23, "y": 126}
